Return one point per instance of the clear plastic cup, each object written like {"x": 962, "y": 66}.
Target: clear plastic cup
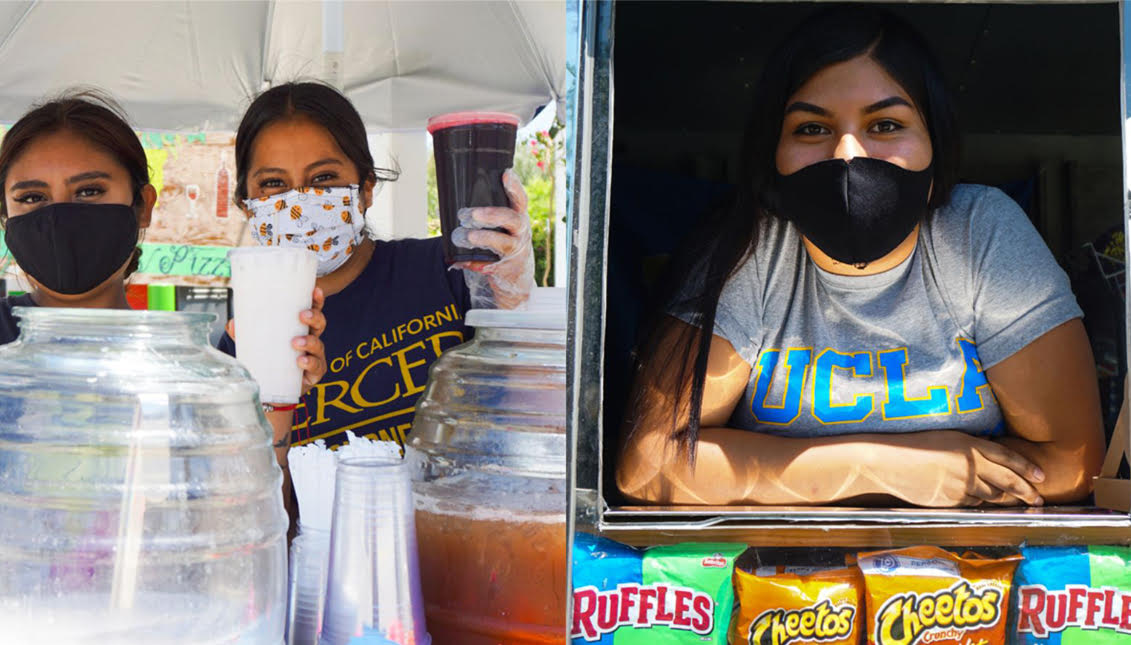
{"x": 271, "y": 285}
{"x": 373, "y": 586}
{"x": 472, "y": 149}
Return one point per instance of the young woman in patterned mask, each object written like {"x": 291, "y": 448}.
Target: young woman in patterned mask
{"x": 305, "y": 178}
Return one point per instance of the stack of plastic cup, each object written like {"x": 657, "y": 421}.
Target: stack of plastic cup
{"x": 373, "y": 587}
{"x": 308, "y": 586}
{"x": 313, "y": 468}
{"x": 312, "y": 475}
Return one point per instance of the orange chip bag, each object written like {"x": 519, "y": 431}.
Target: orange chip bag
{"x": 797, "y": 606}
{"x": 925, "y": 594}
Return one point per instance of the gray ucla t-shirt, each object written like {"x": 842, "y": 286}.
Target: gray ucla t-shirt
{"x": 902, "y": 351}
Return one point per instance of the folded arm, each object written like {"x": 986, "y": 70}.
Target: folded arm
{"x": 1049, "y": 397}
{"x": 933, "y": 468}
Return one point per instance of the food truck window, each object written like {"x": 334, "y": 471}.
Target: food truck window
{"x": 1037, "y": 90}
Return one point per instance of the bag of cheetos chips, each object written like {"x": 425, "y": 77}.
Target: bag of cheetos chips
{"x": 780, "y": 605}
{"x": 925, "y": 594}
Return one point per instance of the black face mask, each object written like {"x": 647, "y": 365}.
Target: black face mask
{"x": 855, "y": 212}
{"x": 71, "y": 248}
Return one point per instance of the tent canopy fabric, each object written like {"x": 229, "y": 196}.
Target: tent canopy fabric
{"x": 196, "y": 64}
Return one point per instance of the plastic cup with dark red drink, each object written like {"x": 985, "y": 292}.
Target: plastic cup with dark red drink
{"x": 472, "y": 150}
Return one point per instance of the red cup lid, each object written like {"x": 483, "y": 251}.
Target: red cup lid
{"x": 453, "y": 119}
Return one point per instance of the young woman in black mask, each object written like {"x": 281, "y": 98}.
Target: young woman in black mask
{"x": 879, "y": 333}
{"x": 79, "y": 168}
{"x": 74, "y": 196}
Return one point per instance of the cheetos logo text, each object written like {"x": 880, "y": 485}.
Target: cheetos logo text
{"x": 814, "y": 624}
{"x": 906, "y": 618}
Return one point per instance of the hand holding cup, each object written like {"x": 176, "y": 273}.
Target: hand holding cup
{"x": 313, "y": 359}
{"x": 505, "y": 283}
{"x": 273, "y": 300}
{"x": 482, "y": 205}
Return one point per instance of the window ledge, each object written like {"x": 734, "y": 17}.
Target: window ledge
{"x": 865, "y": 527}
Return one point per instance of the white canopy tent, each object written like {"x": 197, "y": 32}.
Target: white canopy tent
{"x": 195, "y": 65}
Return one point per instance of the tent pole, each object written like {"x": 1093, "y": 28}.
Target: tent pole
{"x": 333, "y": 41}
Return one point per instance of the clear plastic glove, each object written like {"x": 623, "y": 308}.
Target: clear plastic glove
{"x": 506, "y": 283}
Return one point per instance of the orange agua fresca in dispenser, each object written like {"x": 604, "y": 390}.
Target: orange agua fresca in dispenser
{"x": 488, "y": 447}
{"x": 492, "y": 579}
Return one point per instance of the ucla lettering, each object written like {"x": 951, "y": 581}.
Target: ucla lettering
{"x": 596, "y": 613}
{"x": 821, "y": 622}
{"x": 858, "y": 365}
{"x": 901, "y": 406}
{"x": 906, "y": 617}
{"x": 846, "y": 386}
{"x": 1042, "y": 612}
{"x": 797, "y": 364}
{"x": 974, "y": 383}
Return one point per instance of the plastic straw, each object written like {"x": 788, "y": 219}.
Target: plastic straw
{"x": 144, "y": 473}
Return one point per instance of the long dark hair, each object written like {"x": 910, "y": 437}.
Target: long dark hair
{"x": 318, "y": 102}
{"x": 92, "y": 115}
{"x": 727, "y": 237}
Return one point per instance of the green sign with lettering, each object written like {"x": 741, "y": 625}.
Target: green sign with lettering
{"x": 185, "y": 259}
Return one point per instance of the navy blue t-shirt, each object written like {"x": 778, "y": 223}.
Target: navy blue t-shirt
{"x": 9, "y": 328}
{"x": 383, "y": 332}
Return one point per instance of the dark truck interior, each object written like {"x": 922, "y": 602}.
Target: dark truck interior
{"x": 1037, "y": 89}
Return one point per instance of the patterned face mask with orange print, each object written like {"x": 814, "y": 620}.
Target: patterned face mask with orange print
{"x": 327, "y": 221}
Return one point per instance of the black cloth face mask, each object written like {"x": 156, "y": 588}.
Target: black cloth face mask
{"x": 855, "y": 212}
{"x": 71, "y": 248}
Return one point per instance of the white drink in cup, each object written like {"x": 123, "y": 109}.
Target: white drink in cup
{"x": 271, "y": 286}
